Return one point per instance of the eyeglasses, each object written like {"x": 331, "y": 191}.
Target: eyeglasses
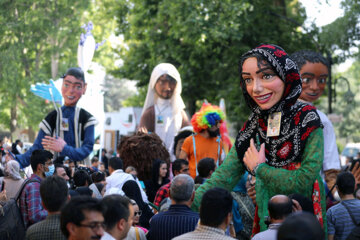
{"x": 137, "y": 213}
{"x": 93, "y": 225}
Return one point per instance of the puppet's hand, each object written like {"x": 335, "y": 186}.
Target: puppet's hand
{"x": 43, "y": 90}
{"x": 252, "y": 157}
{"x": 143, "y": 130}
{"x": 54, "y": 144}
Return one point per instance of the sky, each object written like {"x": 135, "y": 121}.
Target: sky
{"x": 323, "y": 12}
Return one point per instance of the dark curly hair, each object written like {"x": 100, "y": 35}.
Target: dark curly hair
{"x": 140, "y": 150}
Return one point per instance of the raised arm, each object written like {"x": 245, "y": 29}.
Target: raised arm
{"x": 86, "y": 148}
{"x": 226, "y": 176}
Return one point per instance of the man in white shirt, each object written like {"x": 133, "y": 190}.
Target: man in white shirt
{"x": 118, "y": 177}
{"x": 118, "y": 215}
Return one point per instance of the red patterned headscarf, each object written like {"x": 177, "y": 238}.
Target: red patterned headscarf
{"x": 298, "y": 119}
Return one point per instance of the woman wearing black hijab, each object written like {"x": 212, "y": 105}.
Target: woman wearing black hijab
{"x": 132, "y": 191}
{"x": 159, "y": 177}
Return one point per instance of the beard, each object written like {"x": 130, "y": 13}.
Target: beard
{"x": 214, "y": 133}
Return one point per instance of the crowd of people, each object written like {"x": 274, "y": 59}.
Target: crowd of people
{"x": 176, "y": 179}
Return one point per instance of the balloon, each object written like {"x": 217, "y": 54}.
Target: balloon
{"x": 86, "y": 53}
{"x": 87, "y": 47}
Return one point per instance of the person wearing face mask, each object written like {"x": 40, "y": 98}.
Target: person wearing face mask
{"x": 206, "y": 143}
{"x": 31, "y": 206}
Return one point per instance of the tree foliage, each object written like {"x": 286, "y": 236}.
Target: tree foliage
{"x": 349, "y": 127}
{"x": 205, "y": 39}
{"x": 37, "y": 40}
{"x": 343, "y": 35}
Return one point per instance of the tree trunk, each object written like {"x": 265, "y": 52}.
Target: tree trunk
{"x": 54, "y": 65}
{"x": 31, "y": 134}
{"x": 13, "y": 120}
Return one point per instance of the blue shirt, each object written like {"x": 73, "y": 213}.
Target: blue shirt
{"x": 179, "y": 219}
{"x": 339, "y": 220}
{"x": 76, "y": 154}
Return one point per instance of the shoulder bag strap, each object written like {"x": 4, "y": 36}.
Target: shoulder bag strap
{"x": 137, "y": 233}
{"x": 18, "y": 194}
{"x": 351, "y": 215}
{"x": 194, "y": 147}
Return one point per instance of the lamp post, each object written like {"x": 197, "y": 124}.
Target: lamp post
{"x": 349, "y": 95}
{"x": 329, "y": 58}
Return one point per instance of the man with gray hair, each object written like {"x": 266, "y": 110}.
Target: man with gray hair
{"x": 179, "y": 219}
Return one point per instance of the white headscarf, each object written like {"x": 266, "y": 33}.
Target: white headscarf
{"x": 12, "y": 169}
{"x": 176, "y": 101}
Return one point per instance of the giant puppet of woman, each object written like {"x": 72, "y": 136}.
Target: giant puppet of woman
{"x": 282, "y": 141}
{"x": 163, "y": 111}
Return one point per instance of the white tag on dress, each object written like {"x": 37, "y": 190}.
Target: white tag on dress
{"x": 274, "y": 123}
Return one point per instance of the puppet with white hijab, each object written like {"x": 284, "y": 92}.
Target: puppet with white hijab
{"x": 163, "y": 111}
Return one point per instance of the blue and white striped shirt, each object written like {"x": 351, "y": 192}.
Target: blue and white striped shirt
{"x": 339, "y": 220}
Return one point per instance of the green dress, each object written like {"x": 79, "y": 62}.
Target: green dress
{"x": 271, "y": 181}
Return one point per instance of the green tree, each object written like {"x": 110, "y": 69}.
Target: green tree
{"x": 37, "y": 39}
{"x": 349, "y": 127}
{"x": 116, "y": 92}
{"x": 342, "y": 36}
{"x": 204, "y": 40}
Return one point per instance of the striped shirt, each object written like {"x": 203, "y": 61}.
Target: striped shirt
{"x": 179, "y": 219}
{"x": 203, "y": 232}
{"x": 339, "y": 220}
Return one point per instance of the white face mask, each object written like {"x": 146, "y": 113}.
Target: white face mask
{"x": 66, "y": 164}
